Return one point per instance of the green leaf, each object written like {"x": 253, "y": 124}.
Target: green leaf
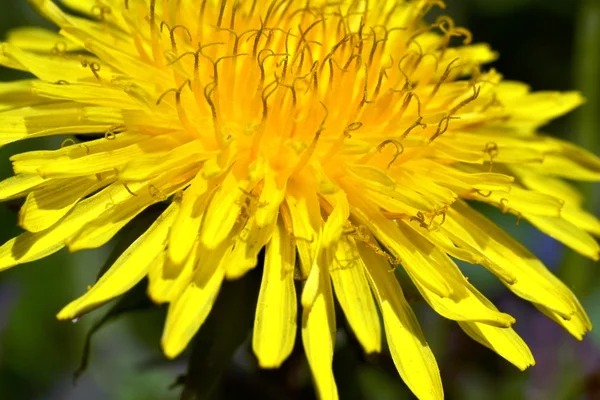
{"x": 133, "y": 300}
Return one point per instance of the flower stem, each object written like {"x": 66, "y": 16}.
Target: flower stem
{"x": 576, "y": 271}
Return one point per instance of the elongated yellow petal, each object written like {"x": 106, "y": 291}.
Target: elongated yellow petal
{"x": 535, "y": 109}
{"x": 87, "y": 94}
{"x": 419, "y": 266}
{"x": 567, "y": 233}
{"x": 337, "y": 218}
{"x": 143, "y": 168}
{"x": 159, "y": 288}
{"x": 581, "y": 219}
{"x": 33, "y": 246}
{"x": 520, "y": 271}
{"x": 54, "y": 120}
{"x": 102, "y": 47}
{"x": 463, "y": 304}
{"x": 50, "y": 10}
{"x": 304, "y": 210}
{"x": 44, "y": 207}
{"x": 578, "y": 325}
{"x": 142, "y": 195}
{"x": 39, "y": 40}
{"x": 523, "y": 201}
{"x": 31, "y": 161}
{"x": 503, "y": 341}
{"x": 102, "y": 162}
{"x": 186, "y": 226}
{"x": 548, "y": 185}
{"x": 222, "y": 212}
{"x": 18, "y": 94}
{"x": 178, "y": 284}
{"x": 409, "y": 349}
{"x": 459, "y": 181}
{"x": 576, "y": 164}
{"x": 354, "y": 294}
{"x": 128, "y": 270}
{"x": 249, "y": 242}
{"x": 318, "y": 333}
{"x": 19, "y": 185}
{"x": 275, "y": 322}
{"x": 271, "y": 197}
{"x": 189, "y": 310}
{"x": 313, "y": 282}
{"x": 52, "y": 69}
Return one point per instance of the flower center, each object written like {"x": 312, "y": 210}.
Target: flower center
{"x": 308, "y": 82}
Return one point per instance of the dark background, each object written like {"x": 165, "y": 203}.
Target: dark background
{"x": 552, "y": 45}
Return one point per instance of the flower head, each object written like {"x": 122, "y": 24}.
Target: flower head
{"x": 344, "y": 138}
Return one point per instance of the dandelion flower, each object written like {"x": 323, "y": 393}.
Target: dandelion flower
{"x": 344, "y": 138}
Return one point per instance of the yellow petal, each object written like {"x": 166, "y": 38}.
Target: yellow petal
{"x": 116, "y": 57}
{"x": 503, "y": 341}
{"x": 186, "y": 226}
{"x": 337, "y": 218}
{"x": 87, "y": 94}
{"x": 270, "y": 199}
{"x": 222, "y": 212}
{"x": 248, "y": 243}
{"x": 128, "y": 270}
{"x": 409, "y": 349}
{"x": 535, "y": 109}
{"x": 39, "y": 40}
{"x": 275, "y": 322}
{"x": 570, "y": 161}
{"x": 459, "y": 181}
{"x": 159, "y": 288}
{"x": 17, "y": 94}
{"x": 189, "y": 311}
{"x": 312, "y": 284}
{"x": 179, "y": 283}
{"x": 54, "y": 120}
{"x": 105, "y": 161}
{"x": 46, "y": 206}
{"x": 463, "y": 304}
{"x": 522, "y": 201}
{"x": 139, "y": 169}
{"x": 354, "y": 294}
{"x": 33, "y": 246}
{"x": 577, "y": 325}
{"x": 50, "y": 68}
{"x": 548, "y": 185}
{"x": 30, "y": 162}
{"x": 417, "y": 264}
{"x": 142, "y": 194}
{"x": 581, "y": 219}
{"x": 305, "y": 212}
{"x": 520, "y": 271}
{"x": 318, "y": 336}
{"x": 50, "y": 10}
{"x": 567, "y": 233}
{"x": 19, "y": 185}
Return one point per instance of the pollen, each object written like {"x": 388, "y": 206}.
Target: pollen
{"x": 327, "y": 143}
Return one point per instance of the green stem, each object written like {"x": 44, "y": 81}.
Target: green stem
{"x": 576, "y": 271}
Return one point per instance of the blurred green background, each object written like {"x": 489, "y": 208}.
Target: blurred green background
{"x": 552, "y": 45}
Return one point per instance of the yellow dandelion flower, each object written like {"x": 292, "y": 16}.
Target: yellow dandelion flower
{"x": 344, "y": 138}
